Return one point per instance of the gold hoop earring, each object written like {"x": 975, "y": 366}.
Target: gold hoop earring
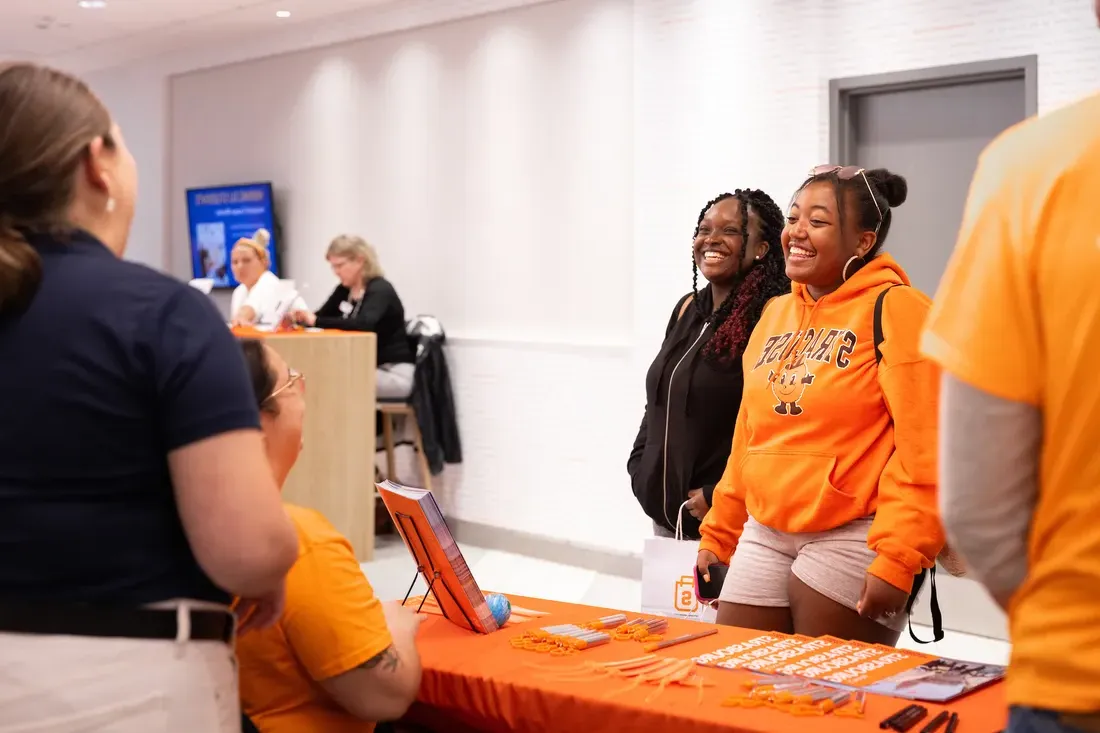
{"x": 844, "y": 272}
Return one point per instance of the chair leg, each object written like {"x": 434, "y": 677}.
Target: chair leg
{"x": 387, "y": 442}
{"x": 422, "y": 458}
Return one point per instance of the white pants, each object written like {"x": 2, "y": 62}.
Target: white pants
{"x": 395, "y": 381}
{"x": 82, "y": 684}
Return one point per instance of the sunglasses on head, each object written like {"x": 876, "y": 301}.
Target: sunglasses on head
{"x": 847, "y": 173}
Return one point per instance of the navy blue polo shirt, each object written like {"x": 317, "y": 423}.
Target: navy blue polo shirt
{"x": 111, "y": 368}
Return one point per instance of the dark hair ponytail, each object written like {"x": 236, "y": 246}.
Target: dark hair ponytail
{"x": 20, "y": 272}
{"x": 49, "y": 120}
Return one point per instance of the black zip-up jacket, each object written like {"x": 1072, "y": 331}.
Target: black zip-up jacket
{"x": 700, "y": 403}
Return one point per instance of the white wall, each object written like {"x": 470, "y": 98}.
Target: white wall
{"x": 552, "y": 251}
{"x": 138, "y": 98}
{"x": 489, "y": 161}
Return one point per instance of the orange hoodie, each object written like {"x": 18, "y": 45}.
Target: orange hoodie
{"x": 826, "y": 435}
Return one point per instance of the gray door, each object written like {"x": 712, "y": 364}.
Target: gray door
{"x": 932, "y": 133}
{"x": 931, "y": 136}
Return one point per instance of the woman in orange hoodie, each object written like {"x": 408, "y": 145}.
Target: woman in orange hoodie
{"x": 828, "y": 502}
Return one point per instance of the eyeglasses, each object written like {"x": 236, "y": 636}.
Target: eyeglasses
{"x": 295, "y": 376}
{"x": 847, "y": 173}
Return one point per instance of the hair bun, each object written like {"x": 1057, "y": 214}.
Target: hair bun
{"x": 894, "y": 188}
{"x": 262, "y": 236}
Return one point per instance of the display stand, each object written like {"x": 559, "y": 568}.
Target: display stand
{"x": 423, "y": 564}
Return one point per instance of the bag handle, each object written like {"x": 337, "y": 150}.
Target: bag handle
{"x": 937, "y": 617}
{"x": 680, "y": 522}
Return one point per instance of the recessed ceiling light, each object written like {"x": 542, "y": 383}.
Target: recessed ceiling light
{"x": 282, "y": 13}
{"x": 92, "y": 4}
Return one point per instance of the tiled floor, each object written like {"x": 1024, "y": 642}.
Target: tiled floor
{"x": 392, "y": 570}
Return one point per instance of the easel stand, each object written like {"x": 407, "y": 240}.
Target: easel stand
{"x": 425, "y": 567}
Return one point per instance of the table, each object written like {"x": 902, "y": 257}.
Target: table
{"x": 474, "y": 682}
{"x": 335, "y": 472}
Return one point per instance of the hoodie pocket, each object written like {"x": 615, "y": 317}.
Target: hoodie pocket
{"x": 792, "y": 491}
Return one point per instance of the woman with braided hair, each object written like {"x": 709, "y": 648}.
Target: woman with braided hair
{"x": 693, "y": 387}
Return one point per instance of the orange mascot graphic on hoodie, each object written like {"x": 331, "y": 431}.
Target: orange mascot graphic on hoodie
{"x": 788, "y": 386}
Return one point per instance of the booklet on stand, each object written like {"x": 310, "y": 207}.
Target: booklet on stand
{"x": 438, "y": 558}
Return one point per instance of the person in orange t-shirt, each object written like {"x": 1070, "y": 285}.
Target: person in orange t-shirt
{"x": 1016, "y": 328}
{"x": 337, "y": 659}
{"x": 828, "y": 501}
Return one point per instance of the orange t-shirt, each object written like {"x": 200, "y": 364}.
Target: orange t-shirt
{"x": 1018, "y": 316}
{"x": 827, "y": 434}
{"x": 332, "y": 624}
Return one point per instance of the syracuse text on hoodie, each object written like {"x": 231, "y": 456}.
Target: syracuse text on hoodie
{"x": 827, "y": 433}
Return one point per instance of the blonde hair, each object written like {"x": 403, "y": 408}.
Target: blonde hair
{"x": 356, "y": 248}
{"x": 258, "y": 244}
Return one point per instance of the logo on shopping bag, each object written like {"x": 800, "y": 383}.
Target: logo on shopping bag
{"x": 684, "y": 599}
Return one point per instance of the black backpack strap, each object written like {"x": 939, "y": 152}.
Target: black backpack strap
{"x": 937, "y": 617}
{"x": 930, "y": 573}
{"x": 879, "y": 335}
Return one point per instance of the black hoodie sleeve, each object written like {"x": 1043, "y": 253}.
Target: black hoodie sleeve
{"x": 639, "y": 442}
{"x": 708, "y": 494}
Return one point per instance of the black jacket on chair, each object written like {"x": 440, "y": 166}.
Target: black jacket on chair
{"x": 432, "y": 395}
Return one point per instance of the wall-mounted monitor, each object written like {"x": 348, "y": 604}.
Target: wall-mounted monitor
{"x": 218, "y": 216}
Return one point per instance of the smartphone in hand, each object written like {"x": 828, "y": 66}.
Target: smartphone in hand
{"x": 707, "y": 591}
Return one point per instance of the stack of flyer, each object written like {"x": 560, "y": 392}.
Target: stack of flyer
{"x": 416, "y": 515}
{"x": 854, "y": 665}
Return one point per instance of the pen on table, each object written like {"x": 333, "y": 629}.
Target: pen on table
{"x": 906, "y": 722}
{"x": 953, "y": 723}
{"x": 936, "y": 723}
{"x": 889, "y": 722}
{"x": 678, "y": 640}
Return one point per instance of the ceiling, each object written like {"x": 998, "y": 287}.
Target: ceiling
{"x": 63, "y": 33}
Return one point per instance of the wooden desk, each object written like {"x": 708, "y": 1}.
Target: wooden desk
{"x": 335, "y": 473}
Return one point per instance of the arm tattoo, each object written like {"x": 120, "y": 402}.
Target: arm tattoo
{"x": 387, "y": 659}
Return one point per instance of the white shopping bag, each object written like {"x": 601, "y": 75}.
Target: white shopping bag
{"x": 668, "y": 578}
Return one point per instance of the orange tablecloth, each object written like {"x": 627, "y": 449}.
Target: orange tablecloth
{"x": 483, "y": 682}
{"x": 249, "y": 332}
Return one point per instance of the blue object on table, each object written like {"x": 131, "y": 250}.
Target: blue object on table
{"x": 500, "y": 607}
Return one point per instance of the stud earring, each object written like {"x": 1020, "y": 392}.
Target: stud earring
{"x": 110, "y": 207}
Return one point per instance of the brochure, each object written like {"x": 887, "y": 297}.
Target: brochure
{"x": 854, "y": 665}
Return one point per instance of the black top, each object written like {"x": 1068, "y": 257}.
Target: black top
{"x": 111, "y": 367}
{"x": 700, "y": 402}
{"x": 379, "y": 310}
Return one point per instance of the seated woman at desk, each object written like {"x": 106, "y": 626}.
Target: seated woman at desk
{"x": 366, "y": 301}
{"x": 337, "y": 659}
{"x": 260, "y": 289}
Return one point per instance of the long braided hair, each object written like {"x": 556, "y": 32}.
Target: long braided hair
{"x": 738, "y": 314}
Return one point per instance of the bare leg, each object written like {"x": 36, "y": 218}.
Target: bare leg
{"x": 761, "y": 618}
{"x": 815, "y": 615}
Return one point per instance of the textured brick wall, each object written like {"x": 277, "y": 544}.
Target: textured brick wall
{"x": 724, "y": 94}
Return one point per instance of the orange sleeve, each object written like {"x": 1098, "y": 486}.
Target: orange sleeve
{"x": 984, "y": 328}
{"x": 722, "y": 525}
{"x": 906, "y": 534}
{"x": 336, "y": 623}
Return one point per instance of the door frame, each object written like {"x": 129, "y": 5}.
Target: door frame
{"x": 843, "y": 91}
